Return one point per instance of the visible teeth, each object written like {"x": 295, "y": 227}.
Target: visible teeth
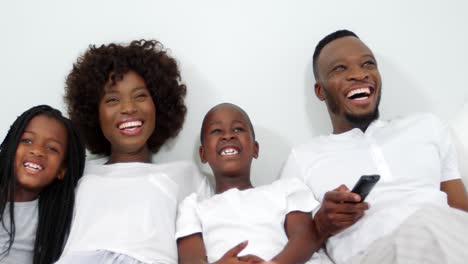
{"x": 32, "y": 166}
{"x": 229, "y": 151}
{"x": 361, "y": 98}
{"x": 130, "y": 124}
{"x": 358, "y": 91}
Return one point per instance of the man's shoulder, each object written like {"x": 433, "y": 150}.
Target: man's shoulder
{"x": 420, "y": 119}
{"x": 313, "y": 146}
{"x": 417, "y": 116}
{"x": 309, "y": 145}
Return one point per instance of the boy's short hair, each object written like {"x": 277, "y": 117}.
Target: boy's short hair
{"x": 327, "y": 39}
{"x": 246, "y": 116}
{"x": 86, "y": 81}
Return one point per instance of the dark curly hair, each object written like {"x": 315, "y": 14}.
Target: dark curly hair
{"x": 148, "y": 58}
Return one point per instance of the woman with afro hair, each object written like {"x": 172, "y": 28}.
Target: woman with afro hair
{"x": 127, "y": 101}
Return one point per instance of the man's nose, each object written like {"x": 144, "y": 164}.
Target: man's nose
{"x": 357, "y": 74}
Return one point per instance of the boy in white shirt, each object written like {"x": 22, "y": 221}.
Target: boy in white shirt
{"x": 274, "y": 221}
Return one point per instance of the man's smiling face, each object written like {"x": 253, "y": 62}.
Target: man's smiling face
{"x": 348, "y": 80}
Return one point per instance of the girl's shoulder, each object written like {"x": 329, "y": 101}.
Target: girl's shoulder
{"x": 22, "y": 209}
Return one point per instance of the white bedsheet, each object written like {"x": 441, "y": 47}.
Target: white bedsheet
{"x": 431, "y": 235}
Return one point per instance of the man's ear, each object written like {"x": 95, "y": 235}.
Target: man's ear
{"x": 61, "y": 173}
{"x": 256, "y": 149}
{"x": 201, "y": 152}
{"x": 319, "y": 91}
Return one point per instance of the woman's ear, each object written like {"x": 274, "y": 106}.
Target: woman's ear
{"x": 201, "y": 152}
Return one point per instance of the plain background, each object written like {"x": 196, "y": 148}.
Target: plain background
{"x": 257, "y": 54}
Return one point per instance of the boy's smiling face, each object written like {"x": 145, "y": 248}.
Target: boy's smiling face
{"x": 228, "y": 143}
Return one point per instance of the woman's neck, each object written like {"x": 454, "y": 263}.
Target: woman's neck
{"x": 142, "y": 155}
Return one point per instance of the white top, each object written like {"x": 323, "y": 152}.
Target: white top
{"x": 130, "y": 208}
{"x": 26, "y": 218}
{"x": 256, "y": 215}
{"x": 412, "y": 155}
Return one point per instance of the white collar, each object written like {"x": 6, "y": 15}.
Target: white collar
{"x": 357, "y": 133}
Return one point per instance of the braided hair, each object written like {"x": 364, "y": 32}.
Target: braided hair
{"x": 56, "y": 200}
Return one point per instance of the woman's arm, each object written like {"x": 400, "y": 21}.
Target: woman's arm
{"x": 303, "y": 239}
{"x": 191, "y": 249}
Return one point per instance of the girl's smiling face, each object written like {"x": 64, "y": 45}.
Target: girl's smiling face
{"x": 39, "y": 156}
{"x": 127, "y": 116}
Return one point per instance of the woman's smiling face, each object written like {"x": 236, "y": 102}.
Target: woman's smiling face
{"x": 127, "y": 115}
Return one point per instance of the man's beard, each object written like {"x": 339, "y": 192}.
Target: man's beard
{"x": 361, "y": 121}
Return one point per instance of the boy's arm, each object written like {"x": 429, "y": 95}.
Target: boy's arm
{"x": 191, "y": 249}
{"x": 456, "y": 194}
{"x": 303, "y": 239}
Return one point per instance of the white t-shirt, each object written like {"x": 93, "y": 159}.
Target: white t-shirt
{"x": 26, "y": 219}
{"x": 130, "y": 208}
{"x": 256, "y": 215}
{"x": 413, "y": 155}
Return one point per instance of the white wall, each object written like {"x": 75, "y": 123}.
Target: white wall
{"x": 253, "y": 53}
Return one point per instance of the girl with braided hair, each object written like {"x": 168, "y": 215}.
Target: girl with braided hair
{"x": 41, "y": 159}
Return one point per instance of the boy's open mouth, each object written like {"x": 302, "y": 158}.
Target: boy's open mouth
{"x": 228, "y": 151}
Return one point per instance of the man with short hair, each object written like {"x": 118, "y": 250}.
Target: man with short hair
{"x": 414, "y": 157}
